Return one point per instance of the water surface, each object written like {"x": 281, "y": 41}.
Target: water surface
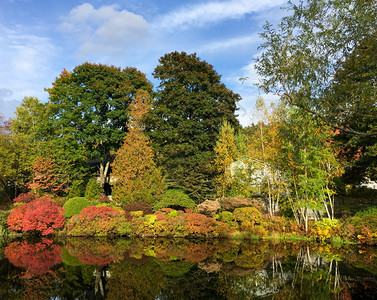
{"x": 184, "y": 269}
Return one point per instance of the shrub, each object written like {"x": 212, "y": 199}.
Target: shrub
{"x": 362, "y": 227}
{"x": 139, "y": 206}
{"x": 41, "y": 215}
{"x": 24, "y": 198}
{"x": 250, "y": 214}
{"x": 176, "y": 199}
{"x": 99, "y": 221}
{"x": 228, "y": 218}
{"x": 92, "y": 212}
{"x": 325, "y": 229}
{"x": 74, "y": 206}
{"x": 209, "y": 208}
{"x": 231, "y": 203}
{"x": 93, "y": 190}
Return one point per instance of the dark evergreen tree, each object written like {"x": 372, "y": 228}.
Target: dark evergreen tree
{"x": 191, "y": 104}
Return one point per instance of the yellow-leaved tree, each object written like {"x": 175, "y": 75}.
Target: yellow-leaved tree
{"x": 226, "y": 154}
{"x": 136, "y": 177}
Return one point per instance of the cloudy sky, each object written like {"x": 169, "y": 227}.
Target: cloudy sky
{"x": 39, "y": 38}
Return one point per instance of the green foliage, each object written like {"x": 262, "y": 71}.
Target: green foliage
{"x": 191, "y": 104}
{"x": 70, "y": 260}
{"x": 362, "y": 227}
{"x": 89, "y": 110}
{"x": 321, "y": 59}
{"x": 74, "y": 206}
{"x": 368, "y": 212}
{"x": 175, "y": 198}
{"x": 226, "y": 154}
{"x": 77, "y": 189}
{"x": 93, "y": 190}
{"x": 228, "y": 218}
{"x": 4, "y": 214}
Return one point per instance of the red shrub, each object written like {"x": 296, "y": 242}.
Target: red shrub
{"x": 16, "y": 218}
{"x": 41, "y": 215}
{"x": 92, "y": 212}
{"x": 25, "y": 198}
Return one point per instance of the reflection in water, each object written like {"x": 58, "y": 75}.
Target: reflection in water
{"x": 184, "y": 269}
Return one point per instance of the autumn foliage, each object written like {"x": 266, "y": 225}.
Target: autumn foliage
{"x": 25, "y": 198}
{"x": 47, "y": 177}
{"x": 99, "y": 221}
{"x": 136, "y": 176}
{"x": 36, "y": 258}
{"x": 41, "y": 215}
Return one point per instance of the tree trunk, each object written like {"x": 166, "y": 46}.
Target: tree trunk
{"x": 103, "y": 173}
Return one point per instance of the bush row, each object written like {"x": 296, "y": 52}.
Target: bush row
{"x": 83, "y": 217}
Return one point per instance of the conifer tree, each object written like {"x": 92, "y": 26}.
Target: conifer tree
{"x": 136, "y": 177}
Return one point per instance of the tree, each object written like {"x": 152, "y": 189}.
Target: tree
{"x": 353, "y": 95}
{"x": 48, "y": 177}
{"x": 89, "y": 111}
{"x": 226, "y": 154}
{"x": 302, "y": 55}
{"x": 309, "y": 165}
{"x": 191, "y": 104}
{"x": 136, "y": 177}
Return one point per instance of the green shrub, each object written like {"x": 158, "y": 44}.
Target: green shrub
{"x": 176, "y": 199}
{"x": 368, "y": 212}
{"x": 362, "y": 227}
{"x": 74, "y": 206}
{"x": 93, "y": 190}
{"x": 228, "y": 218}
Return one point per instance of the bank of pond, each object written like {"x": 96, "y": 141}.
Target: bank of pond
{"x": 162, "y": 268}
{"x": 78, "y": 217}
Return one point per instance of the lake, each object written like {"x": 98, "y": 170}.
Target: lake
{"x": 83, "y": 268}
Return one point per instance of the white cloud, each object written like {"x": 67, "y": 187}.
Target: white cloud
{"x": 229, "y": 43}
{"x": 26, "y": 64}
{"x": 211, "y": 12}
{"x": 105, "y": 30}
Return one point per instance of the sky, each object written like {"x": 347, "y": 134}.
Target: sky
{"x": 40, "y": 38}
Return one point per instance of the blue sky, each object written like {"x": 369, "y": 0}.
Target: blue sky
{"x": 39, "y": 38}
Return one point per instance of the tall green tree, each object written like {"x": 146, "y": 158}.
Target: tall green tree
{"x": 354, "y": 95}
{"x": 89, "y": 112}
{"x": 30, "y": 129}
{"x": 11, "y": 177}
{"x": 191, "y": 104}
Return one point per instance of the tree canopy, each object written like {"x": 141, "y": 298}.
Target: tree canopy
{"x": 191, "y": 104}
{"x": 89, "y": 111}
{"x": 303, "y": 54}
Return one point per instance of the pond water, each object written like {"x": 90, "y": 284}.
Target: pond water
{"x": 77, "y": 268}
